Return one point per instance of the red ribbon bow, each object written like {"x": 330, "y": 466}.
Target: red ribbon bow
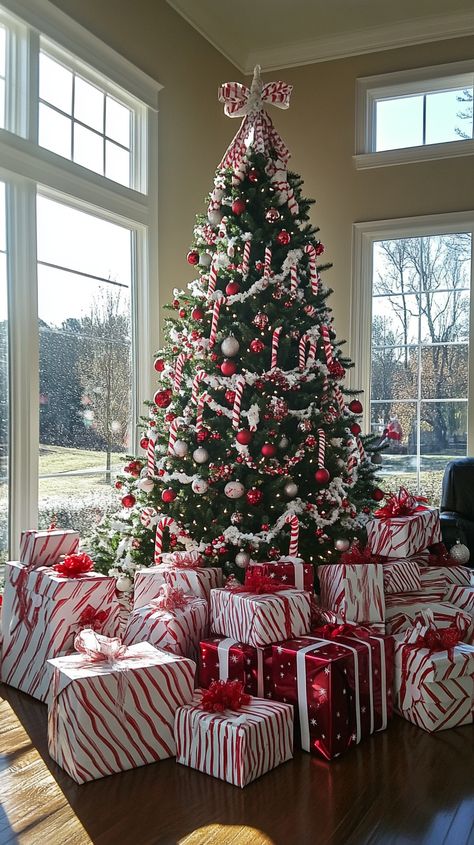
{"x": 170, "y": 598}
{"x": 332, "y": 631}
{"x": 73, "y": 565}
{"x": 358, "y": 555}
{"x": 402, "y": 503}
{"x": 224, "y": 695}
{"x": 258, "y": 583}
{"x": 92, "y": 618}
{"x": 182, "y": 560}
{"x": 439, "y": 639}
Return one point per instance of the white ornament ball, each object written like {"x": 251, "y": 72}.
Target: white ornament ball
{"x": 200, "y": 455}
{"x": 341, "y": 544}
{"x": 180, "y": 448}
{"x": 291, "y": 489}
{"x": 242, "y": 559}
{"x": 215, "y": 216}
{"x": 124, "y": 584}
{"x": 222, "y": 260}
{"x": 204, "y": 259}
{"x": 230, "y": 347}
{"x": 146, "y": 484}
{"x": 460, "y": 553}
{"x": 199, "y": 485}
{"x": 377, "y": 458}
{"x": 234, "y": 490}
{"x": 284, "y": 443}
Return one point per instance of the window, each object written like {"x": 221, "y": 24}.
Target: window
{"x": 415, "y": 281}
{"x": 78, "y": 191}
{"x": 415, "y": 115}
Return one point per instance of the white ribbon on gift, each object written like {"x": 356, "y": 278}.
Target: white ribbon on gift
{"x": 301, "y": 687}
{"x": 223, "y": 650}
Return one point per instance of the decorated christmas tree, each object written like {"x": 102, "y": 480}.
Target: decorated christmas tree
{"x": 252, "y": 449}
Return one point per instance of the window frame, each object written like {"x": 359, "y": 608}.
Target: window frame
{"x": 424, "y": 80}
{"x": 28, "y": 169}
{"x": 364, "y": 235}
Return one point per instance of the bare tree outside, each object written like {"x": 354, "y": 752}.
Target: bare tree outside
{"x": 465, "y": 114}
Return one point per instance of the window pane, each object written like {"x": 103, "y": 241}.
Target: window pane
{"x": 2, "y": 104}
{"x": 443, "y": 117}
{"x": 395, "y": 267}
{"x": 396, "y": 318}
{"x": 395, "y": 373}
{"x": 54, "y": 131}
{"x": 88, "y": 104}
{"x": 117, "y": 122}
{"x": 443, "y": 432}
{"x": 85, "y": 372}
{"x": 444, "y": 372}
{"x": 88, "y": 149}
{"x": 399, "y": 123}
{"x": 117, "y": 163}
{"x": 2, "y": 50}
{"x": 55, "y": 83}
{"x": 4, "y": 386}
{"x": 445, "y": 317}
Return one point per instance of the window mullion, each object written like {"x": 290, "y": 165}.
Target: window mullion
{"x": 24, "y": 358}
{"x": 33, "y": 86}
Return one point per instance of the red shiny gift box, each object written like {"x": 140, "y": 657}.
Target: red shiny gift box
{"x": 289, "y": 571}
{"x": 226, "y": 659}
{"x": 322, "y": 678}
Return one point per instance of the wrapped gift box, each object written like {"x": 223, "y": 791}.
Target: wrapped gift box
{"x": 197, "y": 582}
{"x": 42, "y": 613}
{"x": 401, "y": 576}
{"x": 403, "y": 616}
{"x": 110, "y": 716}
{"x": 462, "y": 597}
{"x": 404, "y": 536}
{"x": 177, "y": 630}
{"x": 44, "y": 548}
{"x": 354, "y": 591}
{"x": 433, "y": 578}
{"x": 460, "y": 575}
{"x": 237, "y": 746}
{"x": 291, "y": 572}
{"x": 260, "y": 619}
{"x": 323, "y": 616}
{"x": 226, "y": 659}
{"x": 433, "y": 689}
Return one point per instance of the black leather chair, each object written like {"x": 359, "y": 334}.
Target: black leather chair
{"x": 457, "y": 504}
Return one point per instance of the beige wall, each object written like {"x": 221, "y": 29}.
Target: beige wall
{"x": 319, "y": 129}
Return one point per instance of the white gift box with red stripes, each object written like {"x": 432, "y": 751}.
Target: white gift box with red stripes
{"x": 424, "y": 597}
{"x": 237, "y": 746}
{"x": 197, "y": 582}
{"x": 433, "y": 578}
{"x": 354, "y": 591}
{"x": 178, "y": 631}
{"x": 105, "y": 718}
{"x": 404, "y": 536}
{"x": 44, "y": 548}
{"x": 461, "y": 575}
{"x": 401, "y": 576}
{"x": 462, "y": 597}
{"x": 42, "y": 613}
{"x": 402, "y": 616}
{"x": 260, "y": 619}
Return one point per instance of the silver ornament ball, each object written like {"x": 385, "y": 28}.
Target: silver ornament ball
{"x": 234, "y": 490}
{"x": 290, "y": 489}
{"x": 377, "y": 458}
{"x": 284, "y": 443}
{"x": 204, "y": 259}
{"x": 460, "y": 553}
{"x": 200, "y": 455}
{"x": 341, "y": 544}
{"x": 230, "y": 347}
{"x": 200, "y": 486}
{"x": 180, "y": 448}
{"x": 146, "y": 484}
{"x": 242, "y": 559}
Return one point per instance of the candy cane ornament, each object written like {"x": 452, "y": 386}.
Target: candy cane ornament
{"x": 150, "y": 456}
{"x": 339, "y": 398}
{"x": 275, "y": 343}
{"x": 147, "y": 516}
{"x": 321, "y": 448}
{"x": 215, "y": 318}
{"x": 178, "y": 370}
{"x": 304, "y": 361}
{"x": 267, "y": 263}
{"x": 293, "y": 277}
{"x": 239, "y": 392}
{"x": 327, "y": 346}
{"x": 361, "y": 449}
{"x": 203, "y": 400}
{"x": 198, "y": 378}
{"x": 246, "y": 258}
{"x": 164, "y": 522}
{"x": 173, "y": 434}
{"x": 313, "y": 273}
{"x": 293, "y": 520}
{"x": 211, "y": 285}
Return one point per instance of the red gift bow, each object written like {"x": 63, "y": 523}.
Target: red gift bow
{"x": 92, "y": 618}
{"x": 331, "y": 631}
{"x": 182, "y": 560}
{"x": 402, "y": 503}
{"x": 73, "y": 565}
{"x": 224, "y": 695}
{"x": 258, "y": 584}
{"x": 358, "y": 555}
{"x": 170, "y": 598}
{"x": 434, "y": 639}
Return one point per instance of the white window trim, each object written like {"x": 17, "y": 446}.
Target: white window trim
{"x": 371, "y": 88}
{"x": 364, "y": 235}
{"x": 25, "y": 165}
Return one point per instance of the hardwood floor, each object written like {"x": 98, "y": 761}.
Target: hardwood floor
{"x": 402, "y": 786}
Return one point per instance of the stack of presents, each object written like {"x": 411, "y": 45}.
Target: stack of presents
{"x": 226, "y": 678}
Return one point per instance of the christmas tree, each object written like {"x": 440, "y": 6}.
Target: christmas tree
{"x": 252, "y": 448}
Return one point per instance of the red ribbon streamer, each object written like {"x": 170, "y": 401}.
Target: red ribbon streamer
{"x": 402, "y": 503}
{"x": 224, "y": 695}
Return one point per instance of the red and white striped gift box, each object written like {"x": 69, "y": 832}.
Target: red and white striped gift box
{"x": 177, "y": 631}
{"x": 237, "y": 746}
{"x": 462, "y": 597}
{"x": 354, "y": 591}
{"x": 461, "y": 575}
{"x": 45, "y": 624}
{"x": 197, "y": 582}
{"x": 433, "y": 578}
{"x": 401, "y": 617}
{"x": 401, "y": 576}
{"x": 423, "y": 596}
{"x": 44, "y": 548}
{"x": 445, "y": 705}
{"x": 260, "y": 619}
{"x": 404, "y": 536}
{"x": 292, "y": 572}
{"x": 226, "y": 659}
{"x": 109, "y": 718}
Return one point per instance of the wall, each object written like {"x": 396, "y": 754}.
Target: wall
{"x": 193, "y": 131}
{"x": 319, "y": 129}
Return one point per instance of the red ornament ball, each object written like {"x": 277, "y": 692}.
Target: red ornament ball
{"x": 377, "y": 494}
{"x": 193, "y": 257}
{"x": 265, "y": 526}
{"x": 128, "y": 501}
{"x": 322, "y": 476}
{"x": 283, "y": 237}
{"x": 144, "y": 442}
{"x": 254, "y": 496}
{"x": 230, "y": 396}
{"x": 228, "y": 367}
{"x": 272, "y": 215}
{"x": 202, "y": 435}
{"x": 159, "y": 365}
{"x": 253, "y": 175}
{"x": 238, "y": 206}
{"x": 197, "y": 314}
{"x": 355, "y": 406}
{"x": 355, "y": 429}
{"x": 175, "y": 303}
{"x": 256, "y": 346}
{"x": 182, "y": 313}
{"x": 118, "y": 485}
{"x": 268, "y": 450}
{"x": 232, "y": 288}
{"x": 244, "y": 436}
{"x": 162, "y": 398}
{"x": 319, "y": 249}
{"x": 168, "y": 495}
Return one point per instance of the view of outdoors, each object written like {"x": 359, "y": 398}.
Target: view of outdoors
{"x": 84, "y": 284}
{"x": 419, "y": 119}
{"x": 420, "y": 337}
{"x": 3, "y": 382}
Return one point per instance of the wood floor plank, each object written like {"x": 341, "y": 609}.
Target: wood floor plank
{"x": 401, "y": 787}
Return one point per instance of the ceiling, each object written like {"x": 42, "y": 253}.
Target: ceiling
{"x": 285, "y": 33}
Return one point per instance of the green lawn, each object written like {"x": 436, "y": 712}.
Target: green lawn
{"x": 73, "y": 471}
